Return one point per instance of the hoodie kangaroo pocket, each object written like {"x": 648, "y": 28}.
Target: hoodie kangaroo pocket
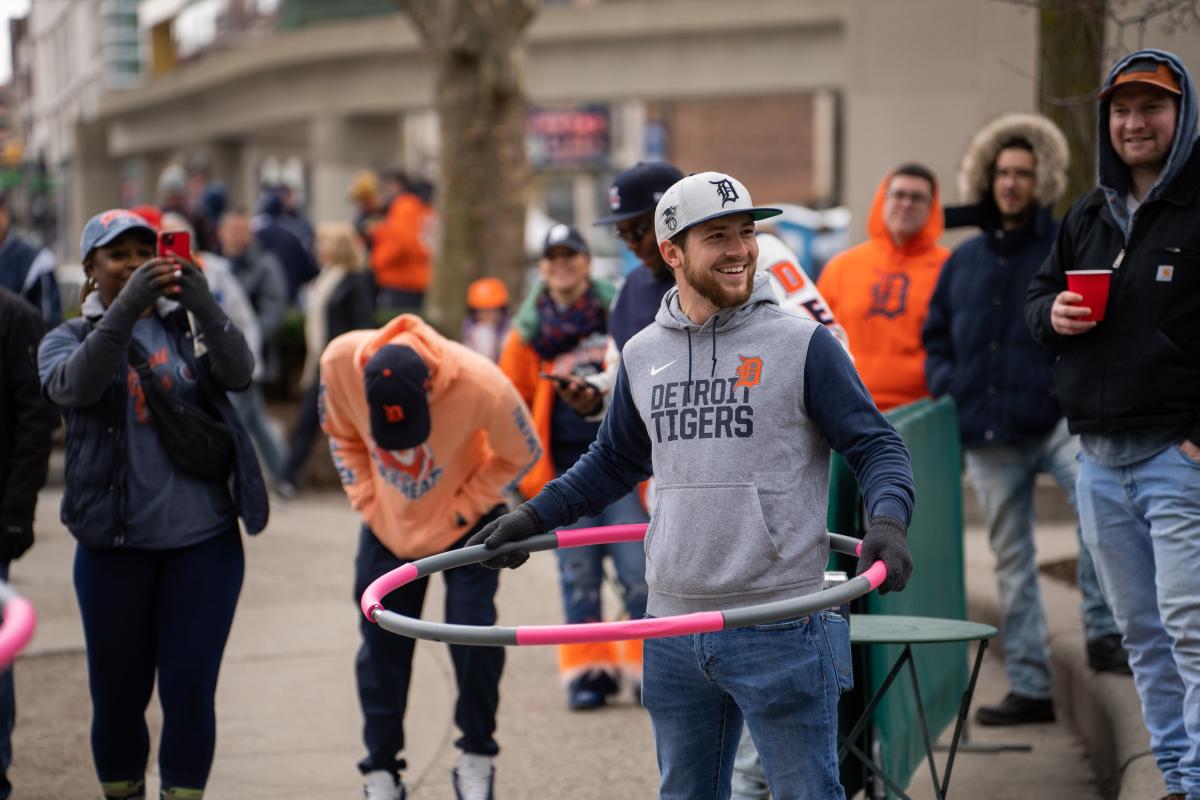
{"x": 709, "y": 539}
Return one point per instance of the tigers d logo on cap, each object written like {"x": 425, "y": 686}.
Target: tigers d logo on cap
{"x": 396, "y": 380}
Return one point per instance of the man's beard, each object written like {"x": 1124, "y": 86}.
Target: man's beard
{"x": 705, "y": 284}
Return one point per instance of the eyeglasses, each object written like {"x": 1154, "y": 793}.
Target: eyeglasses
{"x": 632, "y": 235}
{"x": 916, "y": 198}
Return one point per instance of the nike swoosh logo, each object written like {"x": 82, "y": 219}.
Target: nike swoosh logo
{"x": 655, "y": 370}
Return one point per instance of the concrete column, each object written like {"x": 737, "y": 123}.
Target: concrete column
{"x": 96, "y": 184}
{"x": 340, "y": 146}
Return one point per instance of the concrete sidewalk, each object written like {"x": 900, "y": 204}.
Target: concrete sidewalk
{"x": 289, "y": 721}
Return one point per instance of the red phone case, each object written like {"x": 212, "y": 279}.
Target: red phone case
{"x": 175, "y": 242}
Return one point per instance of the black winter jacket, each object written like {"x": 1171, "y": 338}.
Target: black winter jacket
{"x": 978, "y": 348}
{"x": 26, "y": 423}
{"x": 1138, "y": 369}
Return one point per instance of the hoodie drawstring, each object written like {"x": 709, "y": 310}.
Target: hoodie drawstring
{"x": 713, "y": 373}
{"x": 689, "y": 335}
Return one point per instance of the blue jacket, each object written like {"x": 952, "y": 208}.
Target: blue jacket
{"x": 978, "y": 348}
{"x": 94, "y": 502}
{"x": 637, "y": 303}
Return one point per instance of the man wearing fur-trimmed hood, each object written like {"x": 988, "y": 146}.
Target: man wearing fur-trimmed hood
{"x": 980, "y": 352}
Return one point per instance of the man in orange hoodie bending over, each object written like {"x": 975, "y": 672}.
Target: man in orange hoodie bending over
{"x": 426, "y": 436}
{"x": 879, "y": 291}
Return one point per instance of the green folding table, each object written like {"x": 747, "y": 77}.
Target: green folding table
{"x": 879, "y": 629}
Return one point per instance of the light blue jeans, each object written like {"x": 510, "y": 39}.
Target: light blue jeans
{"x": 1142, "y": 523}
{"x": 251, "y": 409}
{"x": 782, "y": 679}
{"x": 581, "y": 569}
{"x": 1003, "y": 477}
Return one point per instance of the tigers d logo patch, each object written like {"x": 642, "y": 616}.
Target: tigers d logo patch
{"x": 749, "y": 374}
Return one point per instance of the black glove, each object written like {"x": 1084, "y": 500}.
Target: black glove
{"x": 512, "y": 527}
{"x": 887, "y": 541}
{"x": 194, "y": 293}
{"x": 16, "y": 536}
{"x": 144, "y": 286}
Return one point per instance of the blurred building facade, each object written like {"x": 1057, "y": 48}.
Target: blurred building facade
{"x": 807, "y": 102}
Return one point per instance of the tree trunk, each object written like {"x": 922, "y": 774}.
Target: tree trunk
{"x": 1070, "y": 65}
{"x": 483, "y": 175}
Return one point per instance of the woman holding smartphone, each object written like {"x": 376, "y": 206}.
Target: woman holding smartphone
{"x": 558, "y": 337}
{"x": 159, "y": 562}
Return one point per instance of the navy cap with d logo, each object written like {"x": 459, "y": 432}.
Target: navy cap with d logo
{"x": 637, "y": 190}
{"x": 397, "y": 384}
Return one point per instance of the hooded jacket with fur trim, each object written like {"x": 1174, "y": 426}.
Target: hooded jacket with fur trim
{"x": 421, "y": 501}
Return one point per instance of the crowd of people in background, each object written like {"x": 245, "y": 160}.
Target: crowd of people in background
{"x": 1107, "y": 408}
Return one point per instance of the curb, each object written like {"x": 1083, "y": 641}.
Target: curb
{"x": 1103, "y": 709}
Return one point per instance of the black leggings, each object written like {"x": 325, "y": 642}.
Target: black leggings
{"x": 164, "y": 611}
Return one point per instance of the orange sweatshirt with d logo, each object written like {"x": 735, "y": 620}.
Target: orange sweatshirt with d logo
{"x": 879, "y": 291}
{"x": 481, "y": 441}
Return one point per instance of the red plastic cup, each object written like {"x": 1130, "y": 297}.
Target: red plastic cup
{"x": 1093, "y": 285}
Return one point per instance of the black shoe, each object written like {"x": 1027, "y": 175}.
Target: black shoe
{"x": 591, "y": 690}
{"x": 1105, "y": 654}
{"x": 1016, "y": 709}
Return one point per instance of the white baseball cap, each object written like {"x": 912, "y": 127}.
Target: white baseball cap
{"x": 701, "y": 197}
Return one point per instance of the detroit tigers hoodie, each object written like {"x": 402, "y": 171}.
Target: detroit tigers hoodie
{"x": 735, "y": 418}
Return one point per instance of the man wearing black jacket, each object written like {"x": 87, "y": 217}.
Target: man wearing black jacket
{"x": 979, "y": 351}
{"x": 26, "y": 422}
{"x": 1130, "y": 386}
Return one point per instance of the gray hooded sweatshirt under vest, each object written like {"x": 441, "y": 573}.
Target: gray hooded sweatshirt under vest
{"x": 735, "y": 418}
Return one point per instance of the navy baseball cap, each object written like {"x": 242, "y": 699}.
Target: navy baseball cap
{"x": 108, "y": 225}
{"x": 564, "y": 236}
{"x": 397, "y": 384}
{"x": 637, "y": 190}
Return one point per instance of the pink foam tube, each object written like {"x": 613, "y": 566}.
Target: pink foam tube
{"x": 607, "y": 534}
{"x": 876, "y": 574}
{"x": 19, "y": 624}
{"x": 372, "y": 598}
{"x": 699, "y": 622}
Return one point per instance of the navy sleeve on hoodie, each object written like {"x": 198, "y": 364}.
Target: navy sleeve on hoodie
{"x": 834, "y": 396}
{"x": 616, "y": 462}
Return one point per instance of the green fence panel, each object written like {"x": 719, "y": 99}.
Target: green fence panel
{"x": 937, "y": 589}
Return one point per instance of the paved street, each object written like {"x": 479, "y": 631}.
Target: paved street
{"x": 288, "y": 717}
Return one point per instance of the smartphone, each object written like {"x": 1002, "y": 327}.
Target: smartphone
{"x": 177, "y": 243}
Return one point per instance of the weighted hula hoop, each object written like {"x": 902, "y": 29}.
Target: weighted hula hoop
{"x": 18, "y": 626}
{"x": 698, "y": 622}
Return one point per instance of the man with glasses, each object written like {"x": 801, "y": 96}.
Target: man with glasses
{"x": 879, "y": 291}
{"x": 1002, "y": 381}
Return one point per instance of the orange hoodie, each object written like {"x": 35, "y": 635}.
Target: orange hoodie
{"x": 400, "y": 245}
{"x": 481, "y": 440}
{"x": 880, "y": 293}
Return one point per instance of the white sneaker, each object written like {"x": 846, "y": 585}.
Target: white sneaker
{"x": 473, "y": 777}
{"x": 382, "y": 785}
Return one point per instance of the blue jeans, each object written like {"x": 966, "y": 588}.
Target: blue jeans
{"x": 581, "y": 569}
{"x": 157, "y": 612}
{"x": 782, "y": 679}
{"x": 1003, "y": 477}
{"x": 1142, "y": 523}
{"x": 384, "y": 664}
{"x": 8, "y": 715}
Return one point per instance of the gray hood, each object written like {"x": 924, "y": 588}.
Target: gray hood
{"x": 670, "y": 315}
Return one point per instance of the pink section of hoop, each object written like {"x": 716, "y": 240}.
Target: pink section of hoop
{"x": 876, "y": 574}
{"x": 372, "y": 599}
{"x": 19, "y": 624}
{"x": 607, "y": 534}
{"x": 700, "y": 622}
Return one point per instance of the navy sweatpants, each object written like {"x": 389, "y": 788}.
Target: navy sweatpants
{"x": 384, "y": 664}
{"x": 157, "y": 611}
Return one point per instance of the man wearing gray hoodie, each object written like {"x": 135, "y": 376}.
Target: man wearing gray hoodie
{"x": 734, "y": 405}
{"x": 1129, "y": 385}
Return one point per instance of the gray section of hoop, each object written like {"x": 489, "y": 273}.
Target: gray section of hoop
{"x": 502, "y": 636}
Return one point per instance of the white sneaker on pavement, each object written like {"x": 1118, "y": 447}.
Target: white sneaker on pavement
{"x": 473, "y": 777}
{"x": 382, "y": 785}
